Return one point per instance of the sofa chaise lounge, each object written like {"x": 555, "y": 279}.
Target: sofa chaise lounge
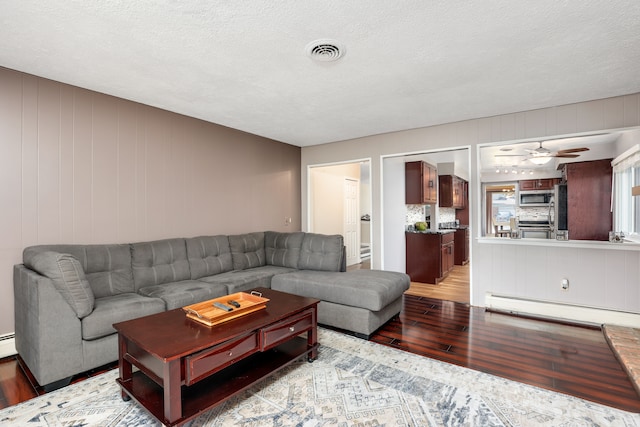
{"x": 67, "y": 297}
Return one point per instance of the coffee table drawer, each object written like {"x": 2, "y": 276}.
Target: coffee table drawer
{"x": 208, "y": 361}
{"x": 279, "y": 332}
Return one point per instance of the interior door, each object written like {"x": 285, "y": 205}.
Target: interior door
{"x": 352, "y": 220}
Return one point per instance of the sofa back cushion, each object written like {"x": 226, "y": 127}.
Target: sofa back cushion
{"x": 247, "y": 250}
{"x": 283, "y": 249}
{"x": 160, "y": 261}
{"x": 107, "y": 268}
{"x": 321, "y": 252}
{"x": 209, "y": 255}
{"x": 68, "y": 277}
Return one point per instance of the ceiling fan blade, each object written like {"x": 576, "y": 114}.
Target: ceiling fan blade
{"x": 509, "y": 155}
{"x": 566, "y": 156}
{"x": 573, "y": 150}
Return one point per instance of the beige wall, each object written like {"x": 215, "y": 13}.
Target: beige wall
{"x": 81, "y": 167}
{"x": 601, "y": 276}
{"x": 327, "y": 196}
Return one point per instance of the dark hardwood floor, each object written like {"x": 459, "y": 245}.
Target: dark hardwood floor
{"x": 569, "y": 359}
{"x": 565, "y": 358}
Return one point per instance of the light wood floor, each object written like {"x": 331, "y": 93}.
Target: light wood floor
{"x": 455, "y": 287}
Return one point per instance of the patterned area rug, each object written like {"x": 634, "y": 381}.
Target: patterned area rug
{"x": 353, "y": 383}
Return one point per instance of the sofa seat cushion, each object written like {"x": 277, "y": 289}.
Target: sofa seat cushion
{"x": 321, "y": 252}
{"x": 370, "y": 289}
{"x": 186, "y": 292}
{"x": 243, "y": 280}
{"x": 117, "y": 308}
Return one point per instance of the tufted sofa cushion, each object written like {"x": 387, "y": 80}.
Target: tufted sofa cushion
{"x": 247, "y": 250}
{"x": 107, "y": 268}
{"x": 283, "y": 249}
{"x": 321, "y": 252}
{"x": 160, "y": 261}
{"x": 209, "y": 255}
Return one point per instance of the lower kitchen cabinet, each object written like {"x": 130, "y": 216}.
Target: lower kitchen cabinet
{"x": 461, "y": 241}
{"x": 430, "y": 256}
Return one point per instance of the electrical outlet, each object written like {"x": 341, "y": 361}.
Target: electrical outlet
{"x": 565, "y": 284}
{"x": 287, "y": 220}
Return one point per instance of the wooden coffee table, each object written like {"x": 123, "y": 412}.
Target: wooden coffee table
{"x": 186, "y": 368}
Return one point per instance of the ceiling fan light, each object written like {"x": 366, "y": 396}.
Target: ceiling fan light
{"x": 540, "y": 160}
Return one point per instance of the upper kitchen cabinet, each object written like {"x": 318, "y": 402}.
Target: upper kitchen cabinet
{"x": 420, "y": 183}
{"x": 453, "y": 192}
{"x": 538, "y": 184}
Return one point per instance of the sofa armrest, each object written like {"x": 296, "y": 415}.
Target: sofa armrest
{"x": 48, "y": 333}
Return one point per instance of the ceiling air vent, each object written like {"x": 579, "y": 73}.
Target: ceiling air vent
{"x": 325, "y": 50}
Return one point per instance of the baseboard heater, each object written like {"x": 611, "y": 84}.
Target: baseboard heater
{"x": 7, "y": 345}
{"x": 559, "y": 311}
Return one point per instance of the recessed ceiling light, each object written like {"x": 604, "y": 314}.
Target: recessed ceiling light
{"x": 325, "y": 50}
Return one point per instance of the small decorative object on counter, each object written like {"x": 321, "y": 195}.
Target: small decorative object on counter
{"x": 616, "y": 236}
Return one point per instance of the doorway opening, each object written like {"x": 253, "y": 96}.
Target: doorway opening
{"x": 399, "y": 218}
{"x": 340, "y": 203}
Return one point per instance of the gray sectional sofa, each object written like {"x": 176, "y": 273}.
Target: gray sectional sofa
{"x": 67, "y": 297}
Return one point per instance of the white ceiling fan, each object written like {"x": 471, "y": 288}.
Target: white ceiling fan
{"x": 543, "y": 155}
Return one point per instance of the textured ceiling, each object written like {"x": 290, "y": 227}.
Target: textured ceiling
{"x": 408, "y": 64}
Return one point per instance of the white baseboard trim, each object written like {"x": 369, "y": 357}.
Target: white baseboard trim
{"x": 559, "y": 311}
{"x": 7, "y": 345}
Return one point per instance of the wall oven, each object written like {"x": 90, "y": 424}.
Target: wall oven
{"x": 535, "y": 227}
{"x": 535, "y": 198}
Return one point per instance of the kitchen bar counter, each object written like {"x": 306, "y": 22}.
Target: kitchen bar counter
{"x": 553, "y": 243}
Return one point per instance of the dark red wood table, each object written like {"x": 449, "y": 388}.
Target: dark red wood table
{"x": 186, "y": 367}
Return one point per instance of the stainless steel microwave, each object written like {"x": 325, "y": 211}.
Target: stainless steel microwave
{"x": 535, "y": 198}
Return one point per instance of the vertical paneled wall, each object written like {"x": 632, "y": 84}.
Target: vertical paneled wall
{"x": 81, "y": 167}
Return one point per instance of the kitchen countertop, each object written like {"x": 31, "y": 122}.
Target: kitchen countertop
{"x": 441, "y": 231}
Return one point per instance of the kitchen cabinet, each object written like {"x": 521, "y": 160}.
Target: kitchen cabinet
{"x": 420, "y": 183}
{"x": 538, "y": 184}
{"x": 461, "y": 241}
{"x": 589, "y": 214}
{"x": 447, "y": 258}
{"x": 429, "y": 256}
{"x": 453, "y": 192}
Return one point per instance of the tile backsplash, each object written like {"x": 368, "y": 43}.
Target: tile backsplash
{"x": 415, "y": 213}
{"x": 446, "y": 215}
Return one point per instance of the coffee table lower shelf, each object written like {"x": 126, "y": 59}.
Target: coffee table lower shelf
{"x": 219, "y": 387}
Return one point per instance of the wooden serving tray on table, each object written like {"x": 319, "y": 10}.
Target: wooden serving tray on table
{"x": 205, "y": 312}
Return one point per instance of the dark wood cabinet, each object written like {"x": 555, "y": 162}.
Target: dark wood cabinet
{"x": 589, "y": 199}
{"x": 430, "y": 256}
{"x": 453, "y": 192}
{"x": 462, "y": 215}
{"x": 461, "y": 241}
{"x": 538, "y": 184}
{"x": 420, "y": 183}
{"x": 447, "y": 258}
